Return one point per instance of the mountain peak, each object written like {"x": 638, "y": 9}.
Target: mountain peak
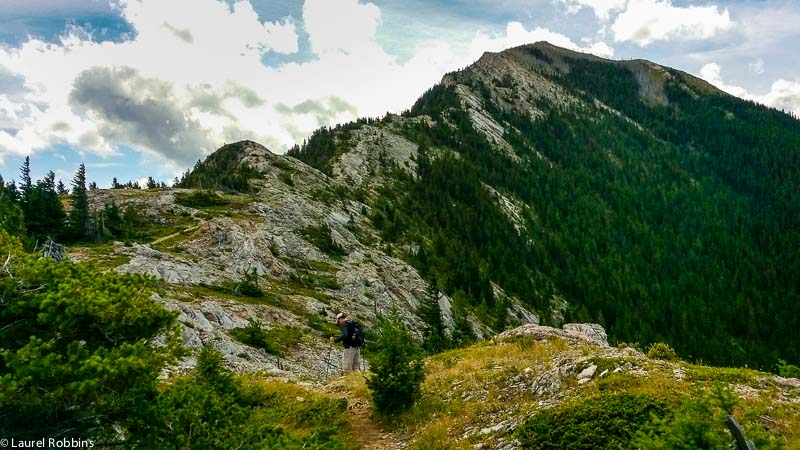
{"x": 230, "y": 167}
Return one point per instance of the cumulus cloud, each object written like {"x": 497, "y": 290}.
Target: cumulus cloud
{"x": 326, "y": 35}
{"x": 783, "y": 94}
{"x": 646, "y": 21}
{"x": 139, "y": 112}
{"x": 516, "y": 34}
{"x": 183, "y": 84}
{"x": 602, "y": 8}
{"x": 712, "y": 73}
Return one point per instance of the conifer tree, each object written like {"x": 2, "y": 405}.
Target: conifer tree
{"x": 27, "y": 184}
{"x": 44, "y": 214}
{"x": 463, "y": 334}
{"x": 76, "y": 347}
{"x": 61, "y": 189}
{"x": 11, "y": 216}
{"x": 79, "y": 219}
{"x": 397, "y": 367}
{"x": 434, "y": 336}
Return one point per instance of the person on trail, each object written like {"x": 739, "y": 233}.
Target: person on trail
{"x": 351, "y": 337}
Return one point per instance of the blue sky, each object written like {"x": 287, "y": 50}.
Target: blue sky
{"x": 138, "y": 88}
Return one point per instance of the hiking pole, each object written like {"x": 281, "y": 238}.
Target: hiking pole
{"x": 328, "y": 363}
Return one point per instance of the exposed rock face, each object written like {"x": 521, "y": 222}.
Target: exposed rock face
{"x": 371, "y": 151}
{"x": 573, "y": 333}
{"x": 594, "y": 332}
{"x": 265, "y": 232}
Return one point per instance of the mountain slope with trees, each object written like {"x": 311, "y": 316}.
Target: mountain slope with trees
{"x": 649, "y": 201}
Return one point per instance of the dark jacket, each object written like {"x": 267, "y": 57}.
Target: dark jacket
{"x": 345, "y": 337}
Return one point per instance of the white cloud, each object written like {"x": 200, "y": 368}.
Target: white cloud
{"x": 516, "y": 34}
{"x": 646, "y": 21}
{"x": 602, "y": 8}
{"x": 757, "y": 67}
{"x": 783, "y": 94}
{"x": 712, "y": 73}
{"x": 327, "y": 35}
{"x": 184, "y": 84}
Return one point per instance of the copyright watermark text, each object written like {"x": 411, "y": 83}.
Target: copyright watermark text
{"x": 46, "y": 443}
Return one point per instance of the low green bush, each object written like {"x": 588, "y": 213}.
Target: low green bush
{"x": 605, "y": 422}
{"x": 256, "y": 336}
{"x": 660, "y": 350}
{"x": 199, "y": 199}
{"x": 272, "y": 341}
{"x": 699, "y": 423}
{"x": 320, "y": 237}
{"x": 213, "y": 408}
{"x": 788, "y": 370}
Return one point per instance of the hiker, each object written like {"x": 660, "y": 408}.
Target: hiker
{"x": 352, "y": 337}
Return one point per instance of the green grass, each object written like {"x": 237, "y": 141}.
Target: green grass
{"x": 227, "y": 291}
{"x": 274, "y": 341}
{"x": 200, "y": 199}
{"x": 320, "y": 236}
{"x": 468, "y": 389}
{"x": 301, "y": 413}
{"x": 320, "y": 266}
{"x": 697, "y": 373}
{"x": 304, "y": 279}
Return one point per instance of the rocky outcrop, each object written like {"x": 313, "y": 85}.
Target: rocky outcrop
{"x": 592, "y": 331}
{"x": 371, "y": 153}
{"x": 573, "y": 333}
{"x": 266, "y": 232}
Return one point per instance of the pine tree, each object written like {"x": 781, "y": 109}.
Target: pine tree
{"x": 11, "y": 216}
{"x": 151, "y": 183}
{"x": 27, "y": 184}
{"x": 61, "y": 189}
{"x": 92, "y": 186}
{"x": 500, "y": 315}
{"x": 463, "y": 334}
{"x": 89, "y": 333}
{"x": 115, "y": 184}
{"x": 45, "y": 215}
{"x": 434, "y": 336}
{"x": 111, "y": 221}
{"x": 397, "y": 367}
{"x": 41, "y": 208}
{"x": 79, "y": 218}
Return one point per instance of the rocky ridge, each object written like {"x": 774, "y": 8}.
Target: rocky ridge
{"x": 264, "y": 231}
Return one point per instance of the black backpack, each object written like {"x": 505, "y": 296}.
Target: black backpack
{"x": 356, "y": 334}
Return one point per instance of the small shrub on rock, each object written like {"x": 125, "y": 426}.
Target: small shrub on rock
{"x": 256, "y": 336}
{"x": 660, "y": 350}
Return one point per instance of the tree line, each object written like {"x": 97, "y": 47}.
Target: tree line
{"x": 46, "y": 209}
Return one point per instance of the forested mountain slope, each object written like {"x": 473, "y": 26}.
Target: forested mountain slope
{"x": 619, "y": 192}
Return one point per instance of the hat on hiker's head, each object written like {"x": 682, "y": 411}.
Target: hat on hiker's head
{"x": 340, "y": 315}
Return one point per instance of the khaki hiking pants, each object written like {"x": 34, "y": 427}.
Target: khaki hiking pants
{"x": 351, "y": 359}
